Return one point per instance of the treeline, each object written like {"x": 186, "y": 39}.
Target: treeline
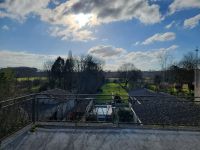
{"x": 25, "y": 72}
{"x": 180, "y": 73}
{"x": 77, "y": 75}
{"x": 129, "y": 76}
{"x": 11, "y": 86}
{"x": 7, "y": 83}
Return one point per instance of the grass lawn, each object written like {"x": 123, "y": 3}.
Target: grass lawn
{"x": 109, "y": 89}
{"x": 31, "y": 78}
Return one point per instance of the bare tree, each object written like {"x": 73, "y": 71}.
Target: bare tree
{"x": 129, "y": 74}
{"x": 189, "y": 61}
{"x": 183, "y": 72}
{"x": 164, "y": 59}
{"x": 47, "y": 68}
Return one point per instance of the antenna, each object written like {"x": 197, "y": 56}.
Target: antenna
{"x": 197, "y": 61}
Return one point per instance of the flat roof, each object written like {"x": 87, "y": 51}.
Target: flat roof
{"x": 105, "y": 139}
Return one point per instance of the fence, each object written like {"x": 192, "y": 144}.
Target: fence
{"x": 93, "y": 108}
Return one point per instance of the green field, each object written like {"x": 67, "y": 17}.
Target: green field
{"x": 109, "y": 89}
{"x": 31, "y": 78}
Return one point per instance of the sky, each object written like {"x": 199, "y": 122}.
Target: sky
{"x": 141, "y": 32}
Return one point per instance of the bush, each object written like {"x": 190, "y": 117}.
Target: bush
{"x": 152, "y": 87}
{"x": 117, "y": 99}
{"x": 99, "y": 90}
{"x": 125, "y": 115}
{"x": 115, "y": 81}
{"x": 91, "y": 118}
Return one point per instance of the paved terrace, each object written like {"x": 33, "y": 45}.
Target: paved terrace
{"x": 62, "y": 138}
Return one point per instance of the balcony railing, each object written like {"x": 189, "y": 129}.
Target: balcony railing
{"x": 95, "y": 108}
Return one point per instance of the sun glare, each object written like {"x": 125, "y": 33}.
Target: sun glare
{"x": 82, "y": 19}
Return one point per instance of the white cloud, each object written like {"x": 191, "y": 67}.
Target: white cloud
{"x": 16, "y": 59}
{"x": 56, "y": 2}
{"x": 155, "y": 0}
{"x": 192, "y": 22}
{"x": 5, "y": 27}
{"x": 178, "y": 5}
{"x": 20, "y": 9}
{"x": 65, "y": 34}
{"x": 104, "y": 40}
{"x": 106, "y": 51}
{"x": 137, "y": 43}
{"x": 76, "y": 17}
{"x": 108, "y": 11}
{"x": 113, "y": 57}
{"x": 170, "y": 25}
{"x": 160, "y": 37}
{"x": 144, "y": 60}
{"x": 111, "y": 67}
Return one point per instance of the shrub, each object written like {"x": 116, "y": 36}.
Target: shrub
{"x": 125, "y": 115}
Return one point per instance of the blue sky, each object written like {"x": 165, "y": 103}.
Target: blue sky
{"x": 136, "y": 31}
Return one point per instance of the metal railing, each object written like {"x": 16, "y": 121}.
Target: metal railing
{"x": 15, "y": 114}
{"x": 79, "y": 108}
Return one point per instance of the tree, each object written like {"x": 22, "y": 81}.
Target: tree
{"x": 91, "y": 75}
{"x": 163, "y": 58}
{"x": 188, "y": 63}
{"x": 183, "y": 72}
{"x": 157, "y": 81}
{"x": 82, "y": 75}
{"x": 129, "y": 74}
{"x": 7, "y": 83}
{"x": 47, "y": 70}
{"x": 69, "y": 73}
{"x": 57, "y": 72}
{"x": 175, "y": 74}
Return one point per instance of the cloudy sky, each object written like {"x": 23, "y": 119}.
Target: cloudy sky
{"x": 116, "y": 31}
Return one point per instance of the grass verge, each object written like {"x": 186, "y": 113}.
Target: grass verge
{"x": 109, "y": 89}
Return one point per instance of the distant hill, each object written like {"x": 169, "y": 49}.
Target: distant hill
{"x": 110, "y": 74}
{"x": 21, "y": 72}
{"x": 150, "y": 74}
